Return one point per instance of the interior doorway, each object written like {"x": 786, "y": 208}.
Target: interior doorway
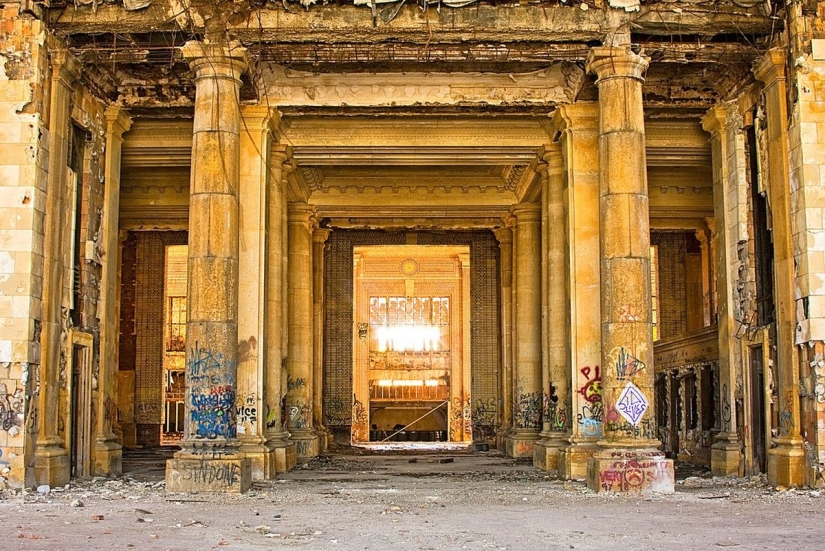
{"x": 411, "y": 353}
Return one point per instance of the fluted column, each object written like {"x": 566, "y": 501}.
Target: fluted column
{"x": 555, "y": 373}
{"x": 277, "y": 439}
{"x": 527, "y": 383}
{"x": 107, "y": 450}
{"x": 786, "y": 460}
{"x": 210, "y": 444}
{"x": 51, "y": 457}
{"x": 728, "y": 150}
{"x": 626, "y": 325}
{"x": 299, "y": 359}
{"x": 319, "y": 246}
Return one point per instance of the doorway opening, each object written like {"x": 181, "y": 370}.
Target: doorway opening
{"x": 411, "y": 357}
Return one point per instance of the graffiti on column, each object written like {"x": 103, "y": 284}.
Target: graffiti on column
{"x": 632, "y": 404}
{"x": 626, "y": 365}
{"x": 247, "y": 413}
{"x": 589, "y": 417}
{"x": 211, "y": 395}
{"x": 528, "y": 409}
{"x": 360, "y": 432}
{"x": 553, "y": 411}
{"x": 11, "y": 409}
{"x": 786, "y": 421}
{"x": 726, "y": 412}
{"x": 460, "y": 419}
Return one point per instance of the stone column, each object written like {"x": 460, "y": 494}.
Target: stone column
{"x": 299, "y": 359}
{"x": 786, "y": 461}
{"x": 702, "y": 236}
{"x": 319, "y": 246}
{"x": 505, "y": 412}
{"x": 209, "y": 460}
{"x": 52, "y": 462}
{"x": 628, "y": 459}
{"x": 258, "y": 125}
{"x": 527, "y": 401}
{"x": 107, "y": 453}
{"x": 555, "y": 372}
{"x": 578, "y": 125}
{"x": 730, "y": 215}
{"x": 277, "y": 439}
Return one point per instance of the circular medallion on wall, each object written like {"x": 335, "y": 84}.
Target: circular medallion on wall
{"x": 409, "y": 267}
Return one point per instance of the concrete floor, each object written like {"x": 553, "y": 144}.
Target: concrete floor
{"x": 411, "y": 501}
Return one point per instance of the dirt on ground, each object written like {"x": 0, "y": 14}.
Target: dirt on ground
{"x": 387, "y": 502}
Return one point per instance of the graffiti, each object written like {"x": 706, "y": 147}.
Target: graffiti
{"x": 246, "y": 412}
{"x": 553, "y": 412}
{"x": 786, "y": 420}
{"x": 362, "y": 331}
{"x": 11, "y": 409}
{"x": 214, "y": 413}
{"x": 528, "y": 410}
{"x": 460, "y": 419}
{"x": 485, "y": 412}
{"x": 626, "y": 365}
{"x": 592, "y": 389}
{"x": 304, "y": 448}
{"x": 631, "y": 475}
{"x": 726, "y": 412}
{"x": 299, "y": 416}
{"x": 818, "y": 372}
{"x": 645, "y": 429}
{"x": 295, "y": 384}
{"x": 110, "y": 412}
{"x": 590, "y": 420}
{"x": 337, "y": 413}
{"x": 628, "y": 314}
{"x": 359, "y": 420}
{"x": 209, "y": 473}
{"x": 632, "y": 403}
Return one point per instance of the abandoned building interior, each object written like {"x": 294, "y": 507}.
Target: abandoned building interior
{"x": 587, "y": 233}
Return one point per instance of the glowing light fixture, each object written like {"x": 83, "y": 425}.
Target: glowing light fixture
{"x": 400, "y": 338}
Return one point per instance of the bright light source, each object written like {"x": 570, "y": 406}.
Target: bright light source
{"x": 400, "y": 338}
{"x": 407, "y": 382}
{"x": 385, "y": 382}
{"x": 431, "y": 382}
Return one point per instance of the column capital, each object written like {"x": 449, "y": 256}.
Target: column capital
{"x": 552, "y": 155}
{"x": 65, "y": 67}
{"x": 211, "y": 60}
{"x": 260, "y": 118}
{"x": 117, "y": 122}
{"x": 720, "y": 117}
{"x": 504, "y": 236}
{"x": 527, "y": 213}
{"x": 771, "y": 66}
{"x": 610, "y": 62}
{"x": 279, "y": 154}
{"x": 320, "y": 235}
{"x": 581, "y": 115}
{"x": 300, "y": 213}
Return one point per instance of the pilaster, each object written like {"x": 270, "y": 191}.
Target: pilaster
{"x": 300, "y": 357}
{"x": 555, "y": 371}
{"x": 107, "y": 452}
{"x": 578, "y": 125}
{"x": 628, "y": 459}
{"x": 319, "y": 246}
{"x": 727, "y": 148}
{"x": 505, "y": 421}
{"x": 52, "y": 464}
{"x": 275, "y": 308}
{"x": 528, "y": 397}
{"x": 786, "y": 460}
{"x": 210, "y": 460}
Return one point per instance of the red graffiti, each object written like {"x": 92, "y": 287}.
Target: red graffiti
{"x": 592, "y": 389}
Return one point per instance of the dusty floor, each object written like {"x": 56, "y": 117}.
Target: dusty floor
{"x": 446, "y": 500}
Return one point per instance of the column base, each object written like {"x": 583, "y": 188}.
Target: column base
{"x": 283, "y": 452}
{"x": 572, "y": 462}
{"x": 192, "y": 474}
{"x": 261, "y": 459}
{"x": 617, "y": 470}
{"x": 546, "y": 452}
{"x": 108, "y": 457}
{"x": 51, "y": 466}
{"x": 520, "y": 442}
{"x": 726, "y": 456}
{"x": 786, "y": 463}
{"x": 306, "y": 445}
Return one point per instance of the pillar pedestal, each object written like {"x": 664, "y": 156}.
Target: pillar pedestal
{"x": 198, "y": 474}
{"x": 629, "y": 471}
{"x": 726, "y": 455}
{"x": 572, "y": 462}
{"x": 786, "y": 463}
{"x": 547, "y": 451}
